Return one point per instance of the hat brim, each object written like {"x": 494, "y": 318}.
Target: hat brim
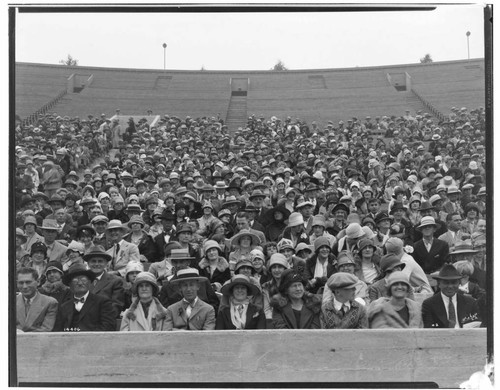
{"x": 236, "y": 239}
{"x": 251, "y": 288}
{"x": 88, "y": 273}
{"x": 190, "y": 279}
{"x": 437, "y": 277}
{"x": 104, "y": 255}
{"x": 420, "y": 227}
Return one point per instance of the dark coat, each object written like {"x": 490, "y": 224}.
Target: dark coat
{"x": 96, "y": 315}
{"x": 255, "y": 318}
{"x": 146, "y": 245}
{"x": 111, "y": 287}
{"x": 434, "y": 312}
{"x": 331, "y": 268}
{"x": 221, "y": 273}
{"x": 284, "y": 317}
{"x": 159, "y": 242}
{"x": 431, "y": 261}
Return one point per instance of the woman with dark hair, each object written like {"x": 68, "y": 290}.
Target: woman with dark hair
{"x": 293, "y": 307}
{"x": 320, "y": 266}
{"x": 146, "y": 312}
{"x": 240, "y": 313}
{"x": 388, "y": 264}
{"x": 395, "y": 310}
{"x": 85, "y": 234}
{"x": 140, "y": 238}
{"x": 276, "y": 217}
{"x": 214, "y": 266}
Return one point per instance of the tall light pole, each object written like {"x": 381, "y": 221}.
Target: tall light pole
{"x": 468, "y": 52}
{"x": 164, "y": 56}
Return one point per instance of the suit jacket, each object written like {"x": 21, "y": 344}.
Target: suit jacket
{"x": 284, "y": 318}
{"x": 262, "y": 216}
{"x": 41, "y": 315}
{"x": 449, "y": 239}
{"x": 256, "y": 318}
{"x": 434, "y": 312}
{"x": 256, "y": 225}
{"x": 111, "y": 287}
{"x": 128, "y": 252}
{"x": 57, "y": 252}
{"x": 160, "y": 241}
{"x": 170, "y": 294}
{"x": 202, "y": 317}
{"x": 96, "y": 315}
{"x": 434, "y": 259}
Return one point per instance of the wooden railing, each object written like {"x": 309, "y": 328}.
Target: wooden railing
{"x": 446, "y": 357}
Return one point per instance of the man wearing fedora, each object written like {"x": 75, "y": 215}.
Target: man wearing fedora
{"x": 189, "y": 313}
{"x": 169, "y": 294}
{"x": 104, "y": 283}
{"x": 430, "y": 252}
{"x": 35, "y": 312}
{"x": 427, "y": 210}
{"x": 55, "y": 250}
{"x": 448, "y": 308}
{"x": 257, "y": 198}
{"x": 86, "y": 312}
{"x": 121, "y": 251}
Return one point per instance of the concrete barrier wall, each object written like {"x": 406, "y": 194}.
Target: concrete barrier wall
{"x": 446, "y": 357}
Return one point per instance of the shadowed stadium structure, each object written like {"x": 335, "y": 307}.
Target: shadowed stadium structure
{"x": 315, "y": 94}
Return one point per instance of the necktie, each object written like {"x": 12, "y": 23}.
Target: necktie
{"x": 95, "y": 282}
{"x": 27, "y": 305}
{"x": 240, "y": 309}
{"x": 344, "y": 309}
{"x": 117, "y": 249}
{"x": 189, "y": 308}
{"x": 80, "y": 300}
{"x": 451, "y": 315}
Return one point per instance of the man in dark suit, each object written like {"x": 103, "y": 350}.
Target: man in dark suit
{"x": 252, "y": 212}
{"x": 257, "y": 198}
{"x": 162, "y": 239}
{"x": 447, "y": 308}
{"x": 105, "y": 284}
{"x": 35, "y": 312}
{"x": 87, "y": 312}
{"x": 430, "y": 252}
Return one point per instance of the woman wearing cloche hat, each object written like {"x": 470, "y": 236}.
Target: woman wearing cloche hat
{"x": 293, "y": 307}
{"x": 395, "y": 310}
{"x": 240, "y": 313}
{"x": 146, "y": 312}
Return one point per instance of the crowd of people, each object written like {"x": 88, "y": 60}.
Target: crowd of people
{"x": 280, "y": 225}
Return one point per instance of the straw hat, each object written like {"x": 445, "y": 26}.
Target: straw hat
{"x": 187, "y": 275}
{"x": 235, "y": 240}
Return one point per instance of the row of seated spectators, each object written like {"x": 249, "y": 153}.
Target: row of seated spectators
{"x": 301, "y": 216}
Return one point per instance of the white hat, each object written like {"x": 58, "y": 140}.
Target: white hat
{"x": 295, "y": 219}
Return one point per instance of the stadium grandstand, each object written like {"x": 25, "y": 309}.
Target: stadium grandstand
{"x": 312, "y": 95}
{"x": 351, "y": 201}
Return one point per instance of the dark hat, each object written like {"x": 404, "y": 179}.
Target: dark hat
{"x": 426, "y": 206}
{"x": 76, "y": 270}
{"x": 389, "y": 262}
{"x": 256, "y": 194}
{"x": 38, "y": 247}
{"x": 288, "y": 277}
{"x": 54, "y": 265}
{"x": 85, "y": 228}
{"x": 382, "y": 216}
{"x": 184, "y": 228}
{"x": 56, "y": 198}
{"x": 340, "y": 206}
{"x": 167, "y": 215}
{"x": 96, "y": 251}
{"x": 448, "y": 272}
{"x": 239, "y": 279}
{"x": 397, "y": 206}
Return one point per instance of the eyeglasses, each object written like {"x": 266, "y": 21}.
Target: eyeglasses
{"x": 77, "y": 279}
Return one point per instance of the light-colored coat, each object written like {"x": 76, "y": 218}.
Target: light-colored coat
{"x": 128, "y": 252}
{"x": 381, "y": 314}
{"x": 41, "y": 315}
{"x": 202, "y": 317}
{"x": 135, "y": 320}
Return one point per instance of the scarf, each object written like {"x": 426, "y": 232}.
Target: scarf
{"x": 238, "y": 319}
{"x": 159, "y": 316}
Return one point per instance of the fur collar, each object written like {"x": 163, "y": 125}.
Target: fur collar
{"x": 311, "y": 301}
{"x": 382, "y": 310}
{"x": 162, "y": 312}
{"x": 222, "y": 264}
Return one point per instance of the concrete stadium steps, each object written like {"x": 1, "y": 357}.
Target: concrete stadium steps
{"x": 236, "y": 113}
{"x": 315, "y": 94}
